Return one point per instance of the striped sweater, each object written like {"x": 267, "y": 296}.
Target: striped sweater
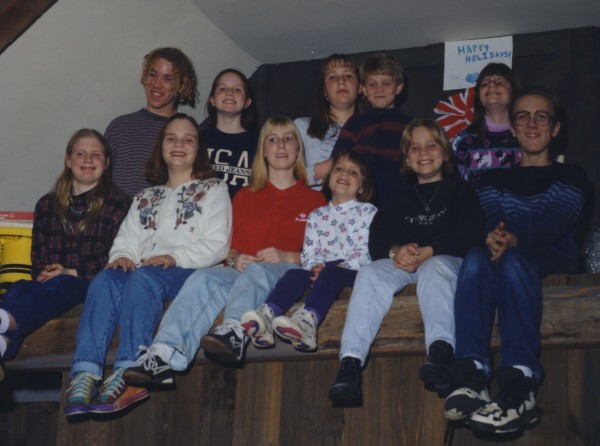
{"x": 376, "y": 134}
{"x": 131, "y": 138}
{"x": 541, "y": 206}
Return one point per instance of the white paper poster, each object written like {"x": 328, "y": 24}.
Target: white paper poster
{"x": 463, "y": 60}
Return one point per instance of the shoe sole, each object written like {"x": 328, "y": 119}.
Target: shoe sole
{"x": 76, "y": 410}
{"x": 215, "y": 347}
{"x": 436, "y": 379}
{"x": 139, "y": 379}
{"x": 527, "y": 419}
{"x": 290, "y": 333}
{"x": 342, "y": 397}
{"x": 120, "y": 404}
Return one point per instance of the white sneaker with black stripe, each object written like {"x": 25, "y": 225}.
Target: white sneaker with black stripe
{"x": 149, "y": 369}
{"x": 514, "y": 407}
{"x": 471, "y": 392}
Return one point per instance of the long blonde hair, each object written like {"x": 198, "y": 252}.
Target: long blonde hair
{"x": 260, "y": 168}
{"x": 96, "y": 197}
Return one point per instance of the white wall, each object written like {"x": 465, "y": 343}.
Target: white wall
{"x": 79, "y": 66}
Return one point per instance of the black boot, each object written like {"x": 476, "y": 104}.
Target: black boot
{"x": 346, "y": 391}
{"x": 435, "y": 373}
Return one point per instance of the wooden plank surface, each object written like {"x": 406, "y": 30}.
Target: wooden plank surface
{"x": 571, "y": 318}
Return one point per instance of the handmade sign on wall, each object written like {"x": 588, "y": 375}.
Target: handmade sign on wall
{"x": 463, "y": 60}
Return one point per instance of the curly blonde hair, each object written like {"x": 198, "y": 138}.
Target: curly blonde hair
{"x": 185, "y": 84}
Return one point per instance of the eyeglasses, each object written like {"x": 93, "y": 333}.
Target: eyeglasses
{"x": 497, "y": 81}
{"x": 539, "y": 118}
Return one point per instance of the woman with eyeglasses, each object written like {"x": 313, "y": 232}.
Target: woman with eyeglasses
{"x": 488, "y": 143}
{"x": 532, "y": 213}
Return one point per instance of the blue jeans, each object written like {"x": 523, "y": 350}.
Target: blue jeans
{"x": 131, "y": 301}
{"x": 204, "y": 295}
{"x": 374, "y": 291}
{"x": 33, "y": 303}
{"x": 513, "y": 288}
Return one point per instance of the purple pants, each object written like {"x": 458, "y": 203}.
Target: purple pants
{"x": 295, "y": 282}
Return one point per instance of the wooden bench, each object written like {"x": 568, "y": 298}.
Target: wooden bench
{"x": 280, "y": 396}
{"x": 571, "y": 318}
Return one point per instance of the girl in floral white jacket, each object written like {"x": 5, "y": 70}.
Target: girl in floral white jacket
{"x": 181, "y": 224}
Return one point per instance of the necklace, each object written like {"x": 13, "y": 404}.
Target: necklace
{"x": 426, "y": 204}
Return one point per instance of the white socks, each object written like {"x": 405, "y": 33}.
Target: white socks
{"x": 164, "y": 351}
{"x": 3, "y": 346}
{"x": 4, "y": 321}
{"x": 526, "y": 370}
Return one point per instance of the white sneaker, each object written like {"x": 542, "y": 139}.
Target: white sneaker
{"x": 513, "y": 408}
{"x": 258, "y": 326}
{"x": 300, "y": 329}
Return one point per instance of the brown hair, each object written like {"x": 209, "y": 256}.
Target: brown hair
{"x": 367, "y": 187}
{"x": 382, "y": 63}
{"x": 321, "y": 121}
{"x": 156, "y": 169}
{"x": 492, "y": 69}
{"x": 249, "y": 116}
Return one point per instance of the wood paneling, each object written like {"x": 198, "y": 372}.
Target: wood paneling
{"x": 285, "y": 403}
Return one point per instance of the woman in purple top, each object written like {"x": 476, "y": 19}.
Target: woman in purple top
{"x": 488, "y": 143}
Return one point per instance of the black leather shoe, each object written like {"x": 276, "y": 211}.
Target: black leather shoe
{"x": 435, "y": 373}
{"x": 346, "y": 391}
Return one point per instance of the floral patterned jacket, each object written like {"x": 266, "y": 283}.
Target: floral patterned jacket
{"x": 191, "y": 222}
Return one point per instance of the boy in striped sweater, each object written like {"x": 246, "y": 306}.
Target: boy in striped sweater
{"x": 169, "y": 80}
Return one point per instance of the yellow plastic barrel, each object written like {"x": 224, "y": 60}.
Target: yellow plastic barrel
{"x": 15, "y": 256}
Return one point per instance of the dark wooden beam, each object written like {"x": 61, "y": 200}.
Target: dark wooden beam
{"x": 16, "y": 16}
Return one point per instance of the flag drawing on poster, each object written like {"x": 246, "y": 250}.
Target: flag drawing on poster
{"x": 463, "y": 60}
{"x": 456, "y": 114}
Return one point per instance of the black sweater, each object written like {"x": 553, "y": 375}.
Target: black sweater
{"x": 452, "y": 226}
